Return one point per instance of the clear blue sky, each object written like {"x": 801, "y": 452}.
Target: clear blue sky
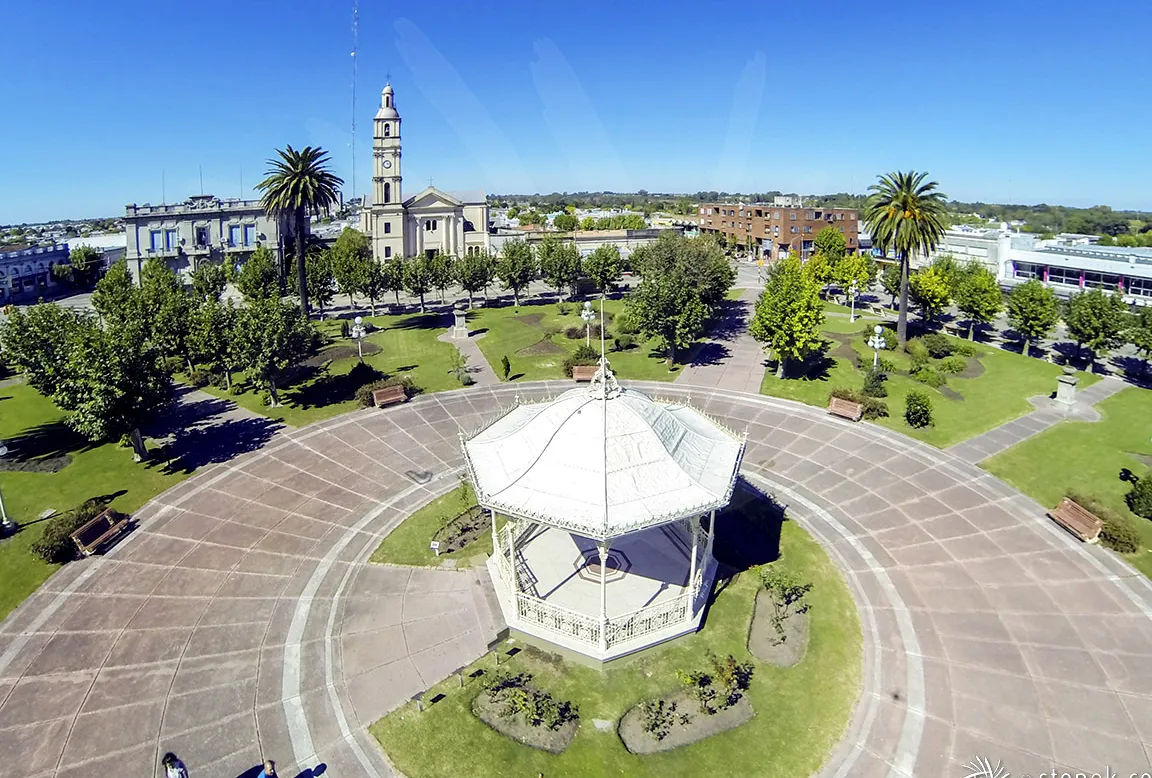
{"x": 1000, "y": 101}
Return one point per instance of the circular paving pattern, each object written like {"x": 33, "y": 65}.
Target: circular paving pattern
{"x": 239, "y": 621}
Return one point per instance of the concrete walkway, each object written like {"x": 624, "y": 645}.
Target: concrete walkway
{"x": 241, "y": 620}
{"x": 1048, "y": 413}
{"x": 478, "y": 366}
{"x": 731, "y": 359}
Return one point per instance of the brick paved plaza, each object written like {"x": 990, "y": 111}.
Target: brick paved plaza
{"x": 240, "y": 619}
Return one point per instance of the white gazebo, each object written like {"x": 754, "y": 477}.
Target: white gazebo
{"x": 610, "y": 501}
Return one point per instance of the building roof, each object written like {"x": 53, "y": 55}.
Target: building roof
{"x": 470, "y": 196}
{"x": 603, "y": 461}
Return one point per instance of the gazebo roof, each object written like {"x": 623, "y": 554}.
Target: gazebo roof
{"x": 603, "y": 461}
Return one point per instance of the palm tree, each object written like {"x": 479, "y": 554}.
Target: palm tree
{"x": 297, "y": 185}
{"x": 905, "y": 213}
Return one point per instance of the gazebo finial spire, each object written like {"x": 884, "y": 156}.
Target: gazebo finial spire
{"x": 604, "y": 383}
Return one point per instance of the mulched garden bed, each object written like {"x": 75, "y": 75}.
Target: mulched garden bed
{"x": 462, "y": 530}
{"x": 531, "y": 319}
{"x": 333, "y": 353}
{"x": 554, "y": 741}
{"x": 763, "y": 637}
{"x": 972, "y": 370}
{"x": 698, "y": 727}
{"x": 53, "y": 464}
{"x": 540, "y": 348}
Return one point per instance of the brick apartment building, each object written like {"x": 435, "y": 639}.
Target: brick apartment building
{"x": 772, "y": 227}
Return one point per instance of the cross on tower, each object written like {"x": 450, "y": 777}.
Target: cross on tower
{"x": 387, "y": 78}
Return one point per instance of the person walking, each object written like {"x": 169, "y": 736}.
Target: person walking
{"x": 269, "y": 770}
{"x": 173, "y": 766}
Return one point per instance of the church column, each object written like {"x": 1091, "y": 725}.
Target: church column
{"x": 602, "y": 550}
{"x": 419, "y": 237}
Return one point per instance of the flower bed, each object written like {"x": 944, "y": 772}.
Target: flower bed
{"x": 516, "y": 709}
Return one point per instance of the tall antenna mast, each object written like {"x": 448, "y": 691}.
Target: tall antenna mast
{"x": 355, "y": 47}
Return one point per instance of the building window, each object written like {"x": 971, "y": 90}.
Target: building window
{"x": 793, "y": 229}
{"x": 249, "y": 234}
{"x": 203, "y": 236}
{"x": 1140, "y": 286}
{"x": 233, "y": 234}
{"x": 792, "y": 216}
{"x": 171, "y": 240}
{"x": 807, "y": 228}
{"x": 387, "y": 227}
{"x": 154, "y": 238}
{"x": 776, "y": 215}
{"x": 387, "y": 130}
{"x": 1064, "y": 275}
{"x": 1028, "y": 270}
{"x": 1101, "y": 280}
{"x": 387, "y": 192}
{"x": 759, "y": 213}
{"x": 387, "y": 251}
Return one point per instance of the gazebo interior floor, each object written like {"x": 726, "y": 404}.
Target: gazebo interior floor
{"x": 644, "y": 568}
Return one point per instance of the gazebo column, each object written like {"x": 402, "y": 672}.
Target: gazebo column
{"x": 512, "y": 562}
{"x": 602, "y": 550}
{"x": 694, "y": 528}
{"x": 495, "y": 536}
{"x": 711, "y": 533}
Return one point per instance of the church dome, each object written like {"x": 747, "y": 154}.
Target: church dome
{"x": 387, "y": 104}
{"x": 601, "y": 462}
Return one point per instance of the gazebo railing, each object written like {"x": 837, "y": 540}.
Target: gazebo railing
{"x": 557, "y": 618}
{"x": 652, "y": 618}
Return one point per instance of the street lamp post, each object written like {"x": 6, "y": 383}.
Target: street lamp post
{"x": 7, "y": 526}
{"x": 852, "y": 292}
{"x": 588, "y": 315}
{"x": 358, "y": 332}
{"x": 877, "y": 342}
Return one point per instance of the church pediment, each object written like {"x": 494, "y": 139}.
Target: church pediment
{"x": 431, "y": 198}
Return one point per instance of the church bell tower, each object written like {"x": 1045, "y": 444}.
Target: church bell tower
{"x": 387, "y": 195}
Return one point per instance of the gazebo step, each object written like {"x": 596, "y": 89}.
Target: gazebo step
{"x": 491, "y": 617}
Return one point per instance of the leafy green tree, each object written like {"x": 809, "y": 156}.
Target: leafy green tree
{"x": 947, "y": 266}
{"x": 116, "y": 298}
{"x": 37, "y": 341}
{"x": 531, "y": 218}
{"x": 789, "y": 314}
{"x": 82, "y": 267}
{"x": 818, "y": 270}
{"x": 1139, "y": 334}
{"x": 855, "y": 267}
{"x": 257, "y": 278}
{"x": 513, "y": 212}
{"x": 376, "y": 283}
{"x": 113, "y": 383}
{"x": 208, "y": 281}
{"x": 296, "y": 185}
{"x": 588, "y": 223}
{"x": 930, "y": 291}
{"x": 669, "y": 311}
{"x": 351, "y": 260}
{"x": 565, "y": 222}
{"x": 1033, "y": 311}
{"x": 166, "y": 308}
{"x": 603, "y": 266}
{"x": 443, "y": 272}
{"x": 394, "y": 276}
{"x": 978, "y": 296}
{"x": 320, "y": 277}
{"x": 272, "y": 337}
{"x": 1096, "y": 320}
{"x": 516, "y": 267}
{"x": 907, "y": 214}
{"x": 831, "y": 244}
{"x": 212, "y": 337}
{"x": 559, "y": 263}
{"x": 474, "y": 272}
{"x": 890, "y": 281}
{"x": 419, "y": 275}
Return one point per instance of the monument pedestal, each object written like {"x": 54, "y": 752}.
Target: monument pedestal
{"x": 459, "y": 323}
{"x": 1066, "y": 389}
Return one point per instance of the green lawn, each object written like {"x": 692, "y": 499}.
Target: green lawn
{"x": 523, "y": 335}
{"x": 408, "y": 346}
{"x": 801, "y": 712}
{"x": 1087, "y": 457}
{"x": 999, "y": 395}
{"x": 32, "y": 428}
{"x": 409, "y": 543}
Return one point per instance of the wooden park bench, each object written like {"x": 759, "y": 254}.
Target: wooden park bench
{"x": 584, "y": 372}
{"x": 880, "y": 310}
{"x": 389, "y": 395}
{"x": 845, "y": 408}
{"x": 952, "y": 328}
{"x": 105, "y": 527}
{"x": 1078, "y": 520}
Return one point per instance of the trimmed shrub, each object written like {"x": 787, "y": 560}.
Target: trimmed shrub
{"x": 574, "y": 332}
{"x": 963, "y": 348}
{"x": 55, "y": 546}
{"x": 928, "y": 375}
{"x": 886, "y": 365}
{"x": 584, "y": 355}
{"x": 938, "y": 345}
{"x": 200, "y": 378}
{"x": 364, "y": 393}
{"x": 1119, "y": 536}
{"x": 873, "y": 408}
{"x": 1139, "y": 497}
{"x": 874, "y": 384}
{"x": 563, "y": 308}
{"x": 237, "y": 389}
{"x": 918, "y": 409}
{"x": 624, "y": 342}
{"x": 844, "y": 393}
{"x": 505, "y": 366}
{"x": 916, "y": 349}
{"x": 345, "y": 328}
{"x": 952, "y": 365}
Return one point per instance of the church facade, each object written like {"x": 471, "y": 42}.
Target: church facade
{"x": 431, "y": 221}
